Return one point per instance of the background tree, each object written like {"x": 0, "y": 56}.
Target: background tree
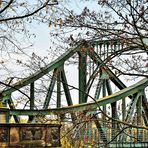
{"x": 17, "y": 19}
{"x": 124, "y": 20}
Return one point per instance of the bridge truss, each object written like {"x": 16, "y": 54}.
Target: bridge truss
{"x": 106, "y": 119}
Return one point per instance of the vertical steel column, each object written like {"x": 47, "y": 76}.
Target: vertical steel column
{"x": 58, "y": 105}
{"x": 31, "y": 100}
{"x": 104, "y": 94}
{"x": 104, "y": 52}
{"x": 113, "y": 112}
{"x": 32, "y": 96}
{"x": 113, "y": 109}
{"x": 114, "y": 126}
{"x": 108, "y": 86}
{"x": 100, "y": 54}
{"x": 82, "y": 76}
{"x": 139, "y": 118}
{"x": 98, "y": 89}
{"x": 145, "y": 108}
{"x": 58, "y": 89}
{"x": 123, "y": 109}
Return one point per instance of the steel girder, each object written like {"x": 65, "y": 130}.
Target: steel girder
{"x": 45, "y": 70}
{"x": 83, "y": 86}
{"x": 88, "y": 106}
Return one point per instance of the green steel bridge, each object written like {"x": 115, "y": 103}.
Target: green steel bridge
{"x": 107, "y": 119}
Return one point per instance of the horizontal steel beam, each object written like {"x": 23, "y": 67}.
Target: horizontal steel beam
{"x": 136, "y": 41}
{"x": 87, "y": 106}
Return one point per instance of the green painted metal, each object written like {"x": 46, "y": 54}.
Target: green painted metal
{"x": 145, "y": 107}
{"x": 130, "y": 112}
{"x": 50, "y": 89}
{"x": 43, "y": 71}
{"x": 139, "y": 118}
{"x": 112, "y": 76}
{"x": 113, "y": 109}
{"x": 104, "y": 95}
{"x": 144, "y": 110}
{"x": 123, "y": 108}
{"x": 100, "y": 129}
{"x": 91, "y": 80}
{"x": 128, "y": 145}
{"x": 12, "y": 106}
{"x": 114, "y": 116}
{"x": 91, "y": 105}
{"x": 82, "y": 76}
{"x": 108, "y": 86}
{"x": 59, "y": 88}
{"x": 66, "y": 88}
{"x": 31, "y": 100}
{"x": 144, "y": 116}
{"x": 67, "y": 93}
{"x": 32, "y": 95}
{"x": 98, "y": 89}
